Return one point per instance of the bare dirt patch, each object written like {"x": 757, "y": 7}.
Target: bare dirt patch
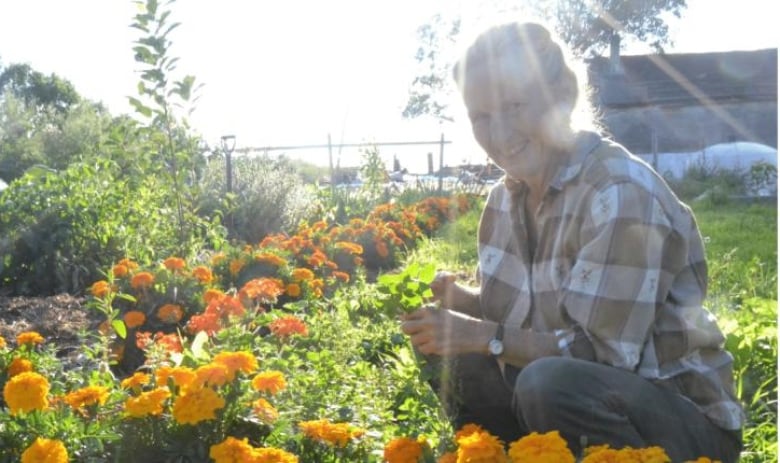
{"x": 59, "y": 319}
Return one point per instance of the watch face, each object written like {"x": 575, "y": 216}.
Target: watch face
{"x": 496, "y": 347}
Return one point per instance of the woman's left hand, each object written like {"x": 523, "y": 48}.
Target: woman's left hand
{"x": 441, "y": 331}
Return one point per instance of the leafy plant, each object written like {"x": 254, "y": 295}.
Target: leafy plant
{"x": 407, "y": 290}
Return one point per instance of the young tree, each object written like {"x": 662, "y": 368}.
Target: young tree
{"x": 587, "y": 26}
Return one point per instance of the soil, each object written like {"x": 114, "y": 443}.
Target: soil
{"x": 59, "y": 319}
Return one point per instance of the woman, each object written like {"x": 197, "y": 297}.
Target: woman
{"x": 588, "y": 318}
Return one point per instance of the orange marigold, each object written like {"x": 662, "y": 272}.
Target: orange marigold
{"x": 235, "y": 266}
{"x": 19, "y": 365}
{"x": 142, "y": 280}
{"x": 26, "y": 392}
{"x": 182, "y": 377}
{"x": 170, "y": 313}
{"x": 244, "y": 362}
{"x": 272, "y": 259}
{"x": 120, "y": 271}
{"x": 86, "y": 396}
{"x": 288, "y": 325}
{"x": 449, "y": 457}
{"x": 2, "y": 342}
{"x": 29, "y": 338}
{"x": 100, "y": 288}
{"x": 203, "y": 274}
{"x": 481, "y": 446}
{"x": 136, "y": 382}
{"x": 265, "y": 411}
{"x": 273, "y": 455}
{"x": 293, "y": 290}
{"x": 301, "y": 274}
{"x": 271, "y": 381}
{"x": 45, "y": 451}
{"x": 232, "y": 450}
{"x": 334, "y": 434}
{"x": 210, "y": 323}
{"x": 211, "y": 374}
{"x": 147, "y": 403}
{"x": 341, "y": 276}
{"x": 196, "y": 405}
{"x": 549, "y": 447}
{"x": 134, "y": 318}
{"x": 174, "y": 264}
{"x": 403, "y": 450}
{"x": 212, "y": 294}
{"x": 350, "y": 247}
{"x": 263, "y": 289}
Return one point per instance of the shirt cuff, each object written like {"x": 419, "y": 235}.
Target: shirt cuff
{"x": 575, "y": 343}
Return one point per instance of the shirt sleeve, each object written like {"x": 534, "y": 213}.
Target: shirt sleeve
{"x": 628, "y": 256}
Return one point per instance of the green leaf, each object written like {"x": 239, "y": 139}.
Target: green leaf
{"x": 120, "y": 328}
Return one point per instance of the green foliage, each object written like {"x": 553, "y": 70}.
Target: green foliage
{"x": 407, "y": 290}
{"x": 712, "y": 184}
{"x": 38, "y": 91}
{"x": 268, "y": 197}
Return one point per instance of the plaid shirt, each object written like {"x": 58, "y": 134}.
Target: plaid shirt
{"x": 618, "y": 274}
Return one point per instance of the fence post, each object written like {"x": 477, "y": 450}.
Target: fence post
{"x": 441, "y": 164}
{"x": 330, "y": 163}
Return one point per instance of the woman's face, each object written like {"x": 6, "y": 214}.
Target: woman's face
{"x": 506, "y": 113}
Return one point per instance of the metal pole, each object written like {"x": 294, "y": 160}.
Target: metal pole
{"x": 330, "y": 161}
{"x": 441, "y": 163}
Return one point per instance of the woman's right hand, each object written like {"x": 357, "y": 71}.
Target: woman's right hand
{"x": 442, "y": 286}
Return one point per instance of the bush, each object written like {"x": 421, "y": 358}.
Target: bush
{"x": 268, "y": 197}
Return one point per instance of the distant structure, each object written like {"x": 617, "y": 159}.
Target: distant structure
{"x": 686, "y": 102}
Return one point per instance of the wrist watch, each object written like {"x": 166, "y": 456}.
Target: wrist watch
{"x": 496, "y": 345}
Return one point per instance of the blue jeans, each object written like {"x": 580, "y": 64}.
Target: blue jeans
{"x": 588, "y": 403}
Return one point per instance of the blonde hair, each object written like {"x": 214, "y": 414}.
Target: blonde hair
{"x": 533, "y": 50}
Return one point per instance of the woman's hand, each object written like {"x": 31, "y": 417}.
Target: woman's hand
{"x": 441, "y": 331}
{"x": 442, "y": 286}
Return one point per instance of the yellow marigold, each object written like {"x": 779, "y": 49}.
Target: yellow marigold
{"x": 211, "y": 374}
{"x": 334, "y": 434}
{"x": 135, "y": 382}
{"x": 45, "y": 451}
{"x": 265, "y": 411}
{"x": 2, "y": 342}
{"x": 403, "y": 450}
{"x": 142, "y": 280}
{"x": 100, "y": 288}
{"x": 29, "y": 338}
{"x": 232, "y": 450}
{"x": 147, "y": 403}
{"x": 134, "y": 319}
{"x": 287, "y": 326}
{"x": 481, "y": 446}
{"x": 174, "y": 264}
{"x": 182, "y": 377}
{"x": 86, "y": 396}
{"x": 293, "y": 290}
{"x": 170, "y": 313}
{"x": 244, "y": 362}
{"x": 212, "y": 294}
{"x": 605, "y": 454}
{"x": 26, "y": 392}
{"x": 196, "y": 405}
{"x": 273, "y": 455}
{"x": 271, "y": 381}
{"x": 19, "y": 365}
{"x": 301, "y": 274}
{"x": 543, "y": 448}
{"x": 203, "y": 274}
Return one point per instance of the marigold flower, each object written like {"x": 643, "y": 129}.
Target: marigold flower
{"x": 2, "y": 342}
{"x": 263, "y": 289}
{"x": 217, "y": 258}
{"x": 212, "y": 294}
{"x": 265, "y": 411}
{"x": 272, "y": 259}
{"x": 196, "y": 405}
{"x": 29, "y": 338}
{"x": 100, "y": 288}
{"x": 341, "y": 276}
{"x": 449, "y": 457}
{"x": 45, "y": 451}
{"x": 130, "y": 264}
{"x": 211, "y": 374}
{"x": 244, "y": 362}
{"x": 467, "y": 429}
{"x": 142, "y": 280}
{"x": 203, "y": 274}
{"x": 703, "y": 460}
{"x": 317, "y": 258}
{"x": 349, "y": 247}
{"x": 147, "y": 403}
{"x": 182, "y": 377}
{"x": 273, "y": 455}
{"x": 288, "y": 325}
{"x": 170, "y": 313}
{"x": 26, "y": 392}
{"x": 134, "y": 319}
{"x": 235, "y": 266}
{"x": 174, "y": 264}
{"x": 544, "y": 448}
{"x": 301, "y": 274}
{"x": 86, "y": 396}
{"x": 481, "y": 446}
{"x": 232, "y": 450}
{"x": 19, "y": 365}
{"x": 293, "y": 290}
{"x": 381, "y": 249}
{"x": 333, "y": 434}
{"x": 210, "y": 323}
{"x": 605, "y": 454}
{"x": 271, "y": 381}
{"x": 135, "y": 382}
{"x": 403, "y": 450}
{"x": 119, "y": 271}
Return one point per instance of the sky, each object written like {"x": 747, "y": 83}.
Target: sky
{"x": 294, "y": 72}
